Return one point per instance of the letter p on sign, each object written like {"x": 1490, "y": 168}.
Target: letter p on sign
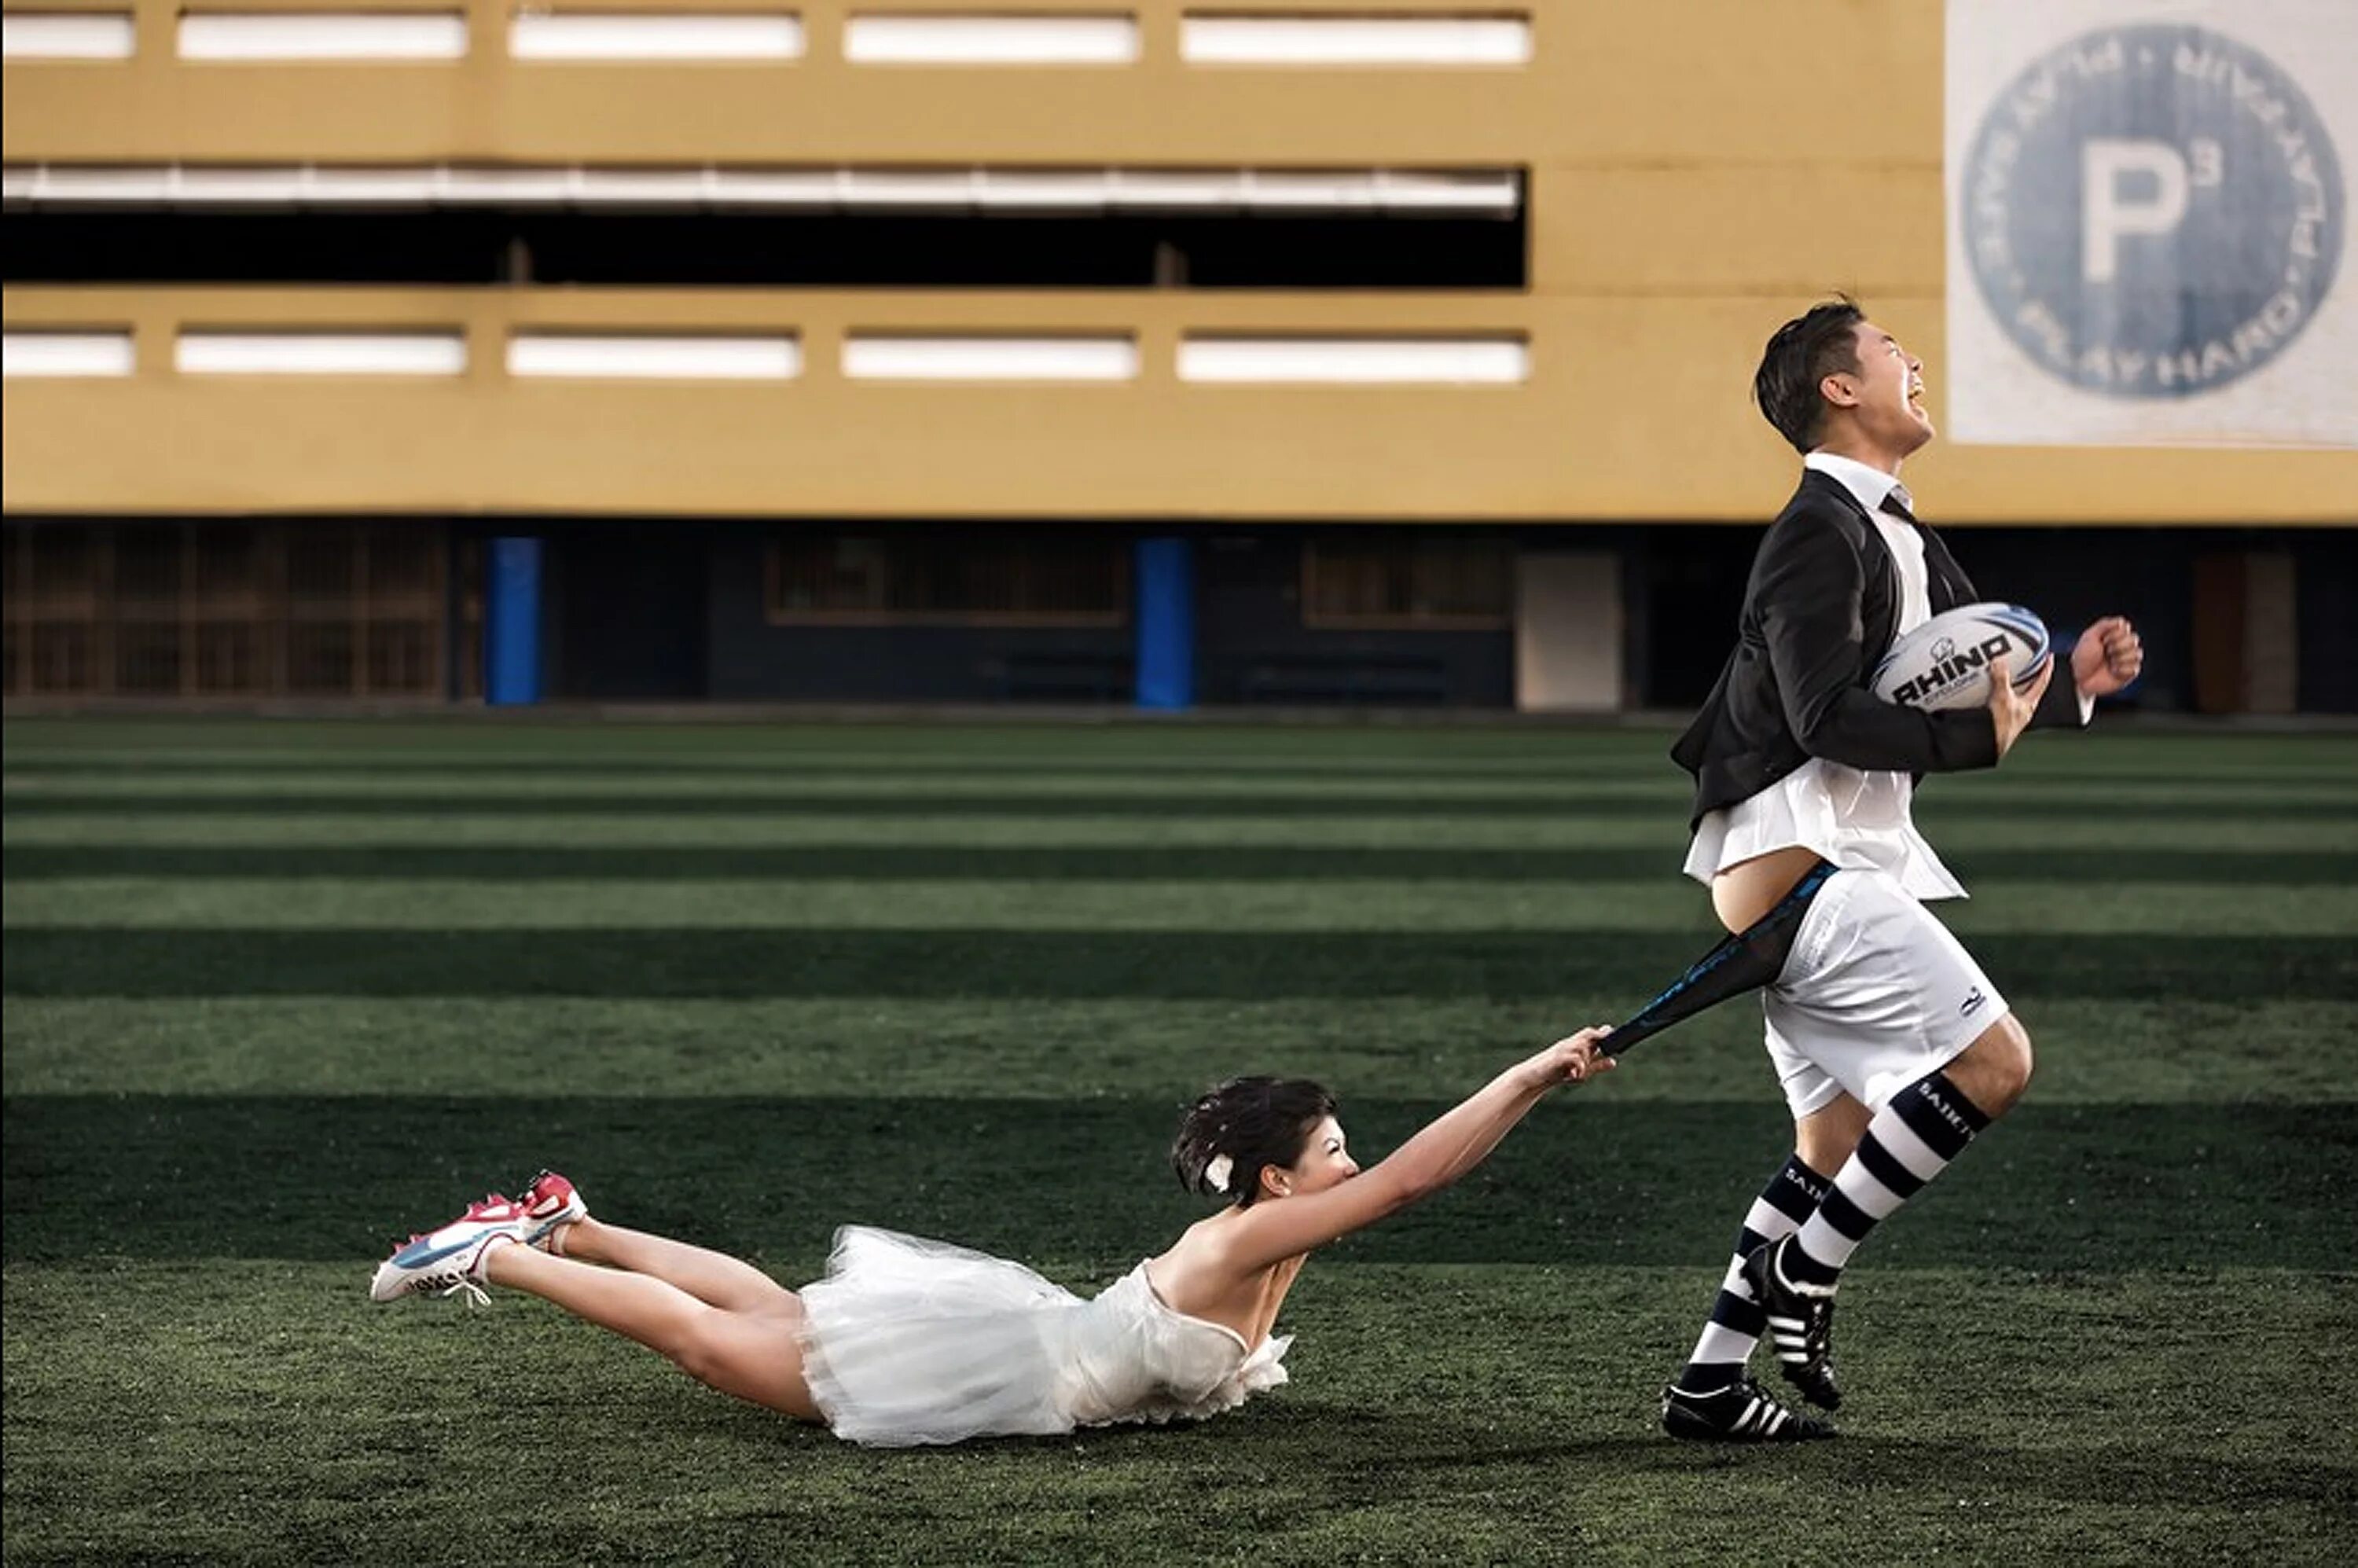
{"x": 2107, "y": 213}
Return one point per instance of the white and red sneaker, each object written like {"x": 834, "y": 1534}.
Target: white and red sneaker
{"x": 450, "y": 1258}
{"x": 550, "y": 1202}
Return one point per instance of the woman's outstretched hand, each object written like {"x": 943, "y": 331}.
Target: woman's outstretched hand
{"x": 1574, "y": 1059}
{"x": 1442, "y": 1150}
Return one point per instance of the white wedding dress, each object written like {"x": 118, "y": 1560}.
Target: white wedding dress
{"x": 908, "y": 1341}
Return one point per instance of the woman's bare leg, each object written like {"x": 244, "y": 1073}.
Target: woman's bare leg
{"x": 713, "y": 1278}
{"x": 754, "y": 1355}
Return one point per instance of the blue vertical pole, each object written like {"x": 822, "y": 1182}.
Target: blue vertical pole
{"x": 1166, "y": 624}
{"x": 512, "y": 623}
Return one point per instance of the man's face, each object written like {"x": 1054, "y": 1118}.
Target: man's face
{"x": 1885, "y": 397}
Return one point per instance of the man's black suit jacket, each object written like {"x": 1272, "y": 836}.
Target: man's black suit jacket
{"x": 1819, "y": 613}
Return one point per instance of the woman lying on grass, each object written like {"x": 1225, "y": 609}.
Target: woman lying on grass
{"x": 908, "y": 1341}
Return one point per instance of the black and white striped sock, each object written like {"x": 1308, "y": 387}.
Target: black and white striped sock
{"x": 1737, "y": 1319}
{"x": 1911, "y": 1140}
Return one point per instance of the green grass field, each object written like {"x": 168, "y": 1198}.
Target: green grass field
{"x": 277, "y": 994}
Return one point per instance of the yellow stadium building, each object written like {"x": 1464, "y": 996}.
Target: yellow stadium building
{"x": 1170, "y": 352}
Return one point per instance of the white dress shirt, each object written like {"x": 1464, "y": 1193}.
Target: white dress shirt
{"x": 1855, "y": 820}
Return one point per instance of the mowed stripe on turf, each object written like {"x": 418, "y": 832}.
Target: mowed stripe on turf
{"x": 2166, "y": 1050}
{"x": 754, "y": 1172}
{"x": 2109, "y": 750}
{"x": 1957, "y": 839}
{"x": 1648, "y": 802}
{"x": 872, "y": 864}
{"x": 1656, "y": 904}
{"x": 737, "y": 961}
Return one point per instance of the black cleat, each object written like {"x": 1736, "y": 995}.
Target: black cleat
{"x": 1800, "y": 1325}
{"x": 1740, "y": 1413}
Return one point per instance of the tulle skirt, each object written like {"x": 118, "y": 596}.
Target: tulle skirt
{"x": 908, "y": 1341}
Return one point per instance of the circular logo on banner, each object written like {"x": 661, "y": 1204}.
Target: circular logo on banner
{"x": 2152, "y": 210}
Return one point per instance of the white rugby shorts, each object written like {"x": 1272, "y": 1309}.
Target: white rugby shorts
{"x": 1875, "y": 994}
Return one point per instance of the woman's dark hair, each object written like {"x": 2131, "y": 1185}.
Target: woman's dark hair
{"x": 1256, "y": 1123}
{"x": 1802, "y": 353}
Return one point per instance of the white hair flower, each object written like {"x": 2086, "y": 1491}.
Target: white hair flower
{"x": 1218, "y": 1172}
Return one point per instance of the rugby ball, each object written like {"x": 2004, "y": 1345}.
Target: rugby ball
{"x": 1944, "y": 663}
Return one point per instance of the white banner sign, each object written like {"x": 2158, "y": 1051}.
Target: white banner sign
{"x": 2148, "y": 212}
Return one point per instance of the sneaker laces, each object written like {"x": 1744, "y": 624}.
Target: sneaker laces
{"x": 476, "y": 1295}
{"x": 1819, "y": 1331}
{"x": 1817, "y": 1306}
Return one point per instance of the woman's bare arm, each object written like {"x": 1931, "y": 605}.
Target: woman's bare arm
{"x": 1441, "y": 1152}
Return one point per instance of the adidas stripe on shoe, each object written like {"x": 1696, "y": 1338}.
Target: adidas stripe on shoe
{"x": 1740, "y": 1413}
{"x": 1800, "y": 1325}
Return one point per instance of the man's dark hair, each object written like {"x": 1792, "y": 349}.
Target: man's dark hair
{"x": 1802, "y": 353}
{"x": 1256, "y": 1123}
